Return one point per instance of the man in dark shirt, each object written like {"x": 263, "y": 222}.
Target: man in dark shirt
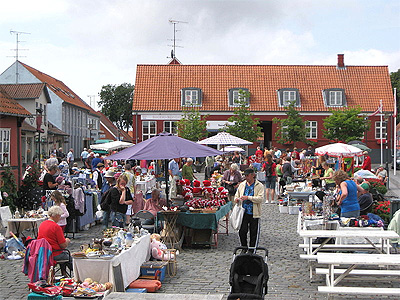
{"x": 49, "y": 183}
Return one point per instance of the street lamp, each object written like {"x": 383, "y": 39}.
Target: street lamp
{"x": 39, "y": 112}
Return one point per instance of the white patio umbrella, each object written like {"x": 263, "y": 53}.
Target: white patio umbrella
{"x": 339, "y": 150}
{"x": 224, "y": 138}
{"x": 232, "y": 149}
{"x": 365, "y": 174}
{"x": 111, "y": 146}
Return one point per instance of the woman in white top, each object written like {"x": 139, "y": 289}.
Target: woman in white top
{"x": 59, "y": 200}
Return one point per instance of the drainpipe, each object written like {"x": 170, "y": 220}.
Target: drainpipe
{"x": 136, "y": 124}
{"x": 19, "y": 124}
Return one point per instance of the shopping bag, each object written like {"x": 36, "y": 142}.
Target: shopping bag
{"x": 237, "y": 216}
{"x": 261, "y": 176}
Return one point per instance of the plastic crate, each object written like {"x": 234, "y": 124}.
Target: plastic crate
{"x": 36, "y": 296}
{"x": 149, "y": 268}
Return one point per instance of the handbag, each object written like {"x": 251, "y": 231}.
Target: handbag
{"x": 231, "y": 189}
{"x": 261, "y": 176}
{"x": 237, "y": 216}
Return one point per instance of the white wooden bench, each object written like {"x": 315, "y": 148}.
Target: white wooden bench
{"x": 358, "y": 290}
{"x": 313, "y": 249}
{"x": 354, "y": 260}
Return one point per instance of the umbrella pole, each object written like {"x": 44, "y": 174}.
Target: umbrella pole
{"x": 166, "y": 181}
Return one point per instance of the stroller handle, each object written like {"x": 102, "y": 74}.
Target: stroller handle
{"x": 247, "y": 248}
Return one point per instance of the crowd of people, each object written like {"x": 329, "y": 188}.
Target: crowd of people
{"x": 249, "y": 181}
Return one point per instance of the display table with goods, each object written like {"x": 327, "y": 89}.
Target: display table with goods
{"x": 202, "y": 212}
{"x": 30, "y": 221}
{"x": 116, "y": 258}
{"x": 203, "y": 224}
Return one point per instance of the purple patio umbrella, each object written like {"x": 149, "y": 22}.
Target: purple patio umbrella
{"x": 165, "y": 146}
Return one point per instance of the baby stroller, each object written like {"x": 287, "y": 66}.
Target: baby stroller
{"x": 248, "y": 275}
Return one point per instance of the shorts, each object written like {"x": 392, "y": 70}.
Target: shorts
{"x": 270, "y": 182}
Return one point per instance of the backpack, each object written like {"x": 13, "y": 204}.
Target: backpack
{"x": 106, "y": 200}
{"x": 268, "y": 169}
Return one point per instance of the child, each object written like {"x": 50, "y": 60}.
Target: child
{"x": 59, "y": 200}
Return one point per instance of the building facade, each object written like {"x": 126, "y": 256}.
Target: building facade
{"x": 162, "y": 92}
{"x": 69, "y": 112}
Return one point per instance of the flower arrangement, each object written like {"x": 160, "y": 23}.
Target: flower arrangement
{"x": 382, "y": 209}
{"x": 377, "y": 185}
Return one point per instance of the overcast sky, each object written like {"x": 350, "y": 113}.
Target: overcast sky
{"x": 88, "y": 44}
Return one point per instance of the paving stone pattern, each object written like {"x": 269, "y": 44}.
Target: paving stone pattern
{"x": 206, "y": 270}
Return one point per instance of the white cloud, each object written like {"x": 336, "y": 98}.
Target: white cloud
{"x": 370, "y": 57}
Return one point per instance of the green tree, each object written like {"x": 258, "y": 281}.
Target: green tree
{"x": 116, "y": 104}
{"x": 244, "y": 124}
{"x": 395, "y": 80}
{"x": 192, "y": 126}
{"x": 9, "y": 188}
{"x": 345, "y": 125}
{"x": 291, "y": 129}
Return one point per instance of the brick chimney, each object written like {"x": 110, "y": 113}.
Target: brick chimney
{"x": 340, "y": 61}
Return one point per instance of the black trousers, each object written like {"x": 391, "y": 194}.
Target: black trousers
{"x": 249, "y": 223}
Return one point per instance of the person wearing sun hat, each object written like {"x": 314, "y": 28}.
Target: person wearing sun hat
{"x": 98, "y": 175}
{"x": 367, "y": 161}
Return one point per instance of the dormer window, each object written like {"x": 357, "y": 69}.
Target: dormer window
{"x": 288, "y": 95}
{"x": 191, "y": 97}
{"x": 334, "y": 97}
{"x": 235, "y": 97}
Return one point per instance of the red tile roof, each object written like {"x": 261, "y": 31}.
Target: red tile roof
{"x": 59, "y": 88}
{"x": 24, "y": 90}
{"x": 157, "y": 87}
{"x": 9, "y": 106}
{"x": 108, "y": 127}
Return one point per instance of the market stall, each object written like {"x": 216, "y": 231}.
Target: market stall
{"x": 126, "y": 264}
{"x": 203, "y": 225}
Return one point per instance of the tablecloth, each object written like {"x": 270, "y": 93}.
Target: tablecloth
{"x": 200, "y": 220}
{"x": 23, "y": 224}
{"x": 102, "y": 270}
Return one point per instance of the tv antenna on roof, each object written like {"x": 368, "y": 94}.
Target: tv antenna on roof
{"x": 16, "y": 56}
{"x": 173, "y": 52}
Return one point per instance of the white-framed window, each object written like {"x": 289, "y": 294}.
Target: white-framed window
{"x": 335, "y": 98}
{"x": 235, "y": 97}
{"x": 191, "y": 97}
{"x": 171, "y": 127}
{"x": 5, "y": 145}
{"x": 288, "y": 96}
{"x": 378, "y": 130}
{"x": 312, "y": 129}
{"x": 149, "y": 129}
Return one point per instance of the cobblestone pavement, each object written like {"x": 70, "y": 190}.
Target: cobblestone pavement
{"x": 206, "y": 270}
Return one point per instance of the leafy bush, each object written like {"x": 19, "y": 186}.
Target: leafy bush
{"x": 9, "y": 188}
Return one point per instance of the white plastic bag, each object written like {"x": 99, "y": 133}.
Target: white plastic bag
{"x": 261, "y": 176}
{"x": 237, "y": 216}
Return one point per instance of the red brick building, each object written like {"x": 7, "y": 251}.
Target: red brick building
{"x": 162, "y": 91}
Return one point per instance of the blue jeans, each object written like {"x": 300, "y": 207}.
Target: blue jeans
{"x": 118, "y": 219}
{"x": 106, "y": 219}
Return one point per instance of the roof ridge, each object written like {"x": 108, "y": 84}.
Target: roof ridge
{"x": 259, "y": 65}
